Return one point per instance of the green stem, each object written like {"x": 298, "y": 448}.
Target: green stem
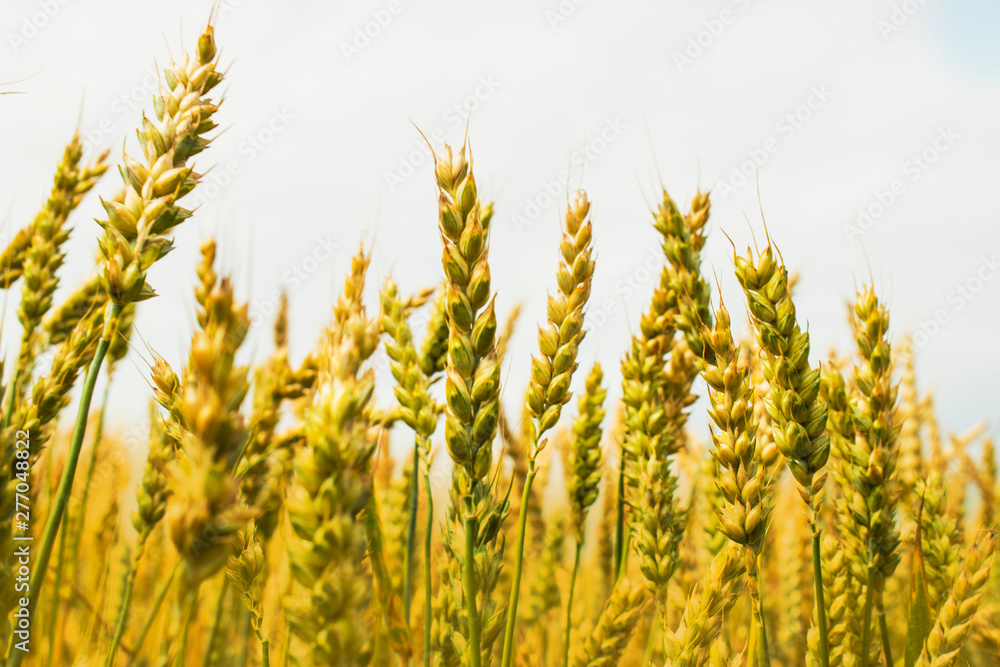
{"x": 866, "y": 635}
{"x": 77, "y": 531}
{"x": 522, "y": 526}
{"x": 664, "y": 628}
{"x": 884, "y": 629}
{"x": 428, "y": 612}
{"x": 824, "y": 639}
{"x": 41, "y": 564}
{"x": 74, "y": 529}
{"x": 265, "y": 659}
{"x": 54, "y": 607}
{"x": 647, "y": 653}
{"x": 569, "y": 601}
{"x": 157, "y": 603}
{"x": 469, "y": 579}
{"x": 181, "y": 656}
{"x": 126, "y": 601}
{"x": 213, "y": 634}
{"x": 620, "y": 518}
{"x": 763, "y": 658}
{"x": 411, "y": 535}
{"x": 624, "y": 563}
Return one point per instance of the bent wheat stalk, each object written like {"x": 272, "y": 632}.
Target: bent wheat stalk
{"x": 134, "y": 240}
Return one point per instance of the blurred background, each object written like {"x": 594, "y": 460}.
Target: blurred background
{"x": 865, "y": 132}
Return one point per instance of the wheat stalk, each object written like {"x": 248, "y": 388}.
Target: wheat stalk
{"x": 798, "y": 418}
{"x": 419, "y": 411}
{"x": 134, "y": 239}
{"x": 873, "y": 454}
{"x": 472, "y": 383}
{"x": 552, "y": 371}
{"x": 743, "y": 516}
{"x": 656, "y": 381}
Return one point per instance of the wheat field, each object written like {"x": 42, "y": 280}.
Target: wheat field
{"x": 826, "y": 521}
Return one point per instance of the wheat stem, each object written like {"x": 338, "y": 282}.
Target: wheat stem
{"x": 866, "y": 636}
{"x": 157, "y": 603}
{"x": 620, "y": 519}
{"x": 54, "y": 519}
{"x": 522, "y": 527}
{"x": 569, "y": 602}
{"x": 77, "y": 532}
{"x": 763, "y": 658}
{"x": 428, "y": 600}
{"x": 54, "y": 607}
{"x": 126, "y": 601}
{"x": 469, "y": 581}
{"x": 824, "y": 637}
{"x": 411, "y": 534}
{"x": 189, "y": 612}
{"x": 74, "y": 532}
{"x": 884, "y": 630}
{"x": 122, "y": 616}
{"x": 213, "y": 633}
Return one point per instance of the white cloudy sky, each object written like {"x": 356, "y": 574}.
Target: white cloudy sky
{"x": 319, "y": 151}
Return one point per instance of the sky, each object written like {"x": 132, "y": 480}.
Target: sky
{"x": 865, "y": 132}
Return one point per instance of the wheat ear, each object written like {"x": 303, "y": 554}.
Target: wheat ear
{"x": 656, "y": 382}
{"x": 954, "y": 621}
{"x": 619, "y": 618}
{"x": 43, "y": 257}
{"x": 552, "y": 370}
{"x": 797, "y": 415}
{"x": 416, "y": 408}
{"x": 584, "y": 475}
{"x": 745, "y": 491}
{"x": 873, "y": 454}
{"x": 472, "y": 386}
{"x": 706, "y": 606}
{"x": 326, "y": 558}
